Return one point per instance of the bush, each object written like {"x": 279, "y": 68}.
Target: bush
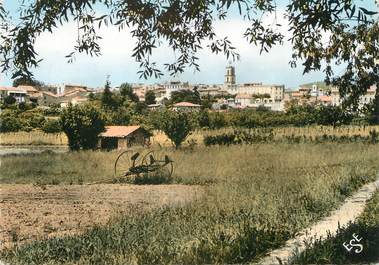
{"x": 203, "y": 119}
{"x": 82, "y": 124}
{"x": 52, "y": 126}
{"x": 176, "y": 125}
{"x": 374, "y": 136}
{"x": 240, "y": 137}
{"x": 9, "y": 122}
{"x": 9, "y": 100}
{"x": 217, "y": 120}
{"x": 32, "y": 119}
{"x": 52, "y": 111}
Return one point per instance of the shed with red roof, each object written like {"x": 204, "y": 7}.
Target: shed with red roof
{"x": 122, "y": 137}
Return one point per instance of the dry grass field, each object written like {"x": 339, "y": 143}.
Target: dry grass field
{"x": 32, "y": 138}
{"x": 254, "y": 198}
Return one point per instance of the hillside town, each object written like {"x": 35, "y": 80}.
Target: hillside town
{"x": 228, "y": 95}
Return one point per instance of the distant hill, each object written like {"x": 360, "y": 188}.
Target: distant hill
{"x": 320, "y": 84}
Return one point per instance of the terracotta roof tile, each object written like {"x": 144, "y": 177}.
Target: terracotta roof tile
{"x": 28, "y": 88}
{"x": 12, "y": 89}
{"x": 50, "y": 94}
{"x": 186, "y": 104}
{"x": 325, "y": 98}
{"x": 119, "y": 131}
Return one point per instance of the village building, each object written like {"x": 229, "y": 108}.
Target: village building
{"x": 186, "y": 107}
{"x": 211, "y": 90}
{"x": 30, "y": 90}
{"x": 325, "y": 100}
{"x": 19, "y": 94}
{"x": 273, "y": 93}
{"x": 74, "y": 97}
{"x": 363, "y": 100}
{"x": 160, "y": 94}
{"x": 173, "y": 86}
{"x": 254, "y": 101}
{"x": 140, "y": 90}
{"x": 154, "y": 106}
{"x": 123, "y": 137}
{"x": 71, "y": 88}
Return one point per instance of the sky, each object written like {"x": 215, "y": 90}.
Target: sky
{"x": 117, "y": 62}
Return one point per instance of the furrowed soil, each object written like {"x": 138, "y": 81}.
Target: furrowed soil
{"x": 30, "y": 212}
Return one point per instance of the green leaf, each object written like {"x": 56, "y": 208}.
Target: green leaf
{"x": 368, "y": 12}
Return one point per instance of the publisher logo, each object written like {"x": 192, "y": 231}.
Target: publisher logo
{"x": 353, "y": 244}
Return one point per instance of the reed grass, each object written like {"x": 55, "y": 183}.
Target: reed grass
{"x": 32, "y": 138}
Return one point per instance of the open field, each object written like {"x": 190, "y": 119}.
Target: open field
{"x": 255, "y": 197}
{"x": 200, "y": 165}
{"x": 29, "y": 212}
{"x": 159, "y": 138}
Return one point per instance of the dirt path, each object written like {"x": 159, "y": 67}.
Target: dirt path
{"x": 30, "y": 212}
{"x": 348, "y": 212}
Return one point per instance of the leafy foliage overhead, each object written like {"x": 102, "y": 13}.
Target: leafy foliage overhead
{"x": 322, "y": 33}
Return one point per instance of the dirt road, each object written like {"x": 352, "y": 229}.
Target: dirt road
{"x": 30, "y": 212}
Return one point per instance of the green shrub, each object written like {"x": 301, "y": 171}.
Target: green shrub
{"x": 176, "y": 125}
{"x": 374, "y": 136}
{"x": 9, "y": 122}
{"x": 32, "y": 119}
{"x": 52, "y": 126}
{"x": 82, "y": 124}
{"x": 240, "y": 137}
{"x": 9, "y": 100}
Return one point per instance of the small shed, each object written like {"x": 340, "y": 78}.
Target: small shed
{"x": 121, "y": 137}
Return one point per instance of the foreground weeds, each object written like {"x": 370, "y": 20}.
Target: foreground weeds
{"x": 331, "y": 250}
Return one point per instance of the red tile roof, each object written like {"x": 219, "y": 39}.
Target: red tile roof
{"x": 50, "y": 94}
{"x": 325, "y": 98}
{"x": 186, "y": 104}
{"x": 296, "y": 94}
{"x": 119, "y": 131}
{"x": 12, "y": 89}
{"x": 28, "y": 88}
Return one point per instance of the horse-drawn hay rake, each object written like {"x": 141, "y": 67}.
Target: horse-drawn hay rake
{"x": 129, "y": 167}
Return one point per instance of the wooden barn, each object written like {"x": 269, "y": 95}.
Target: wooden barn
{"x": 122, "y": 137}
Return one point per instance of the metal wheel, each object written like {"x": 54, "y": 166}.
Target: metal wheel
{"x": 124, "y": 162}
{"x": 158, "y": 164}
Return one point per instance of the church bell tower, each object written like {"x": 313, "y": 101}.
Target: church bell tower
{"x": 230, "y": 76}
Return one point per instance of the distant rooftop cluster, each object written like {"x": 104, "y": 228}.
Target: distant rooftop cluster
{"x": 229, "y": 94}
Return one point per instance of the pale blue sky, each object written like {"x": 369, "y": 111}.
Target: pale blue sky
{"x": 116, "y": 61}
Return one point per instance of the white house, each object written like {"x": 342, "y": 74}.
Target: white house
{"x": 18, "y": 93}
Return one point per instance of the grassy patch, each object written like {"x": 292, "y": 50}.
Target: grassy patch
{"x": 260, "y": 196}
{"x": 331, "y": 250}
{"x": 203, "y": 165}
